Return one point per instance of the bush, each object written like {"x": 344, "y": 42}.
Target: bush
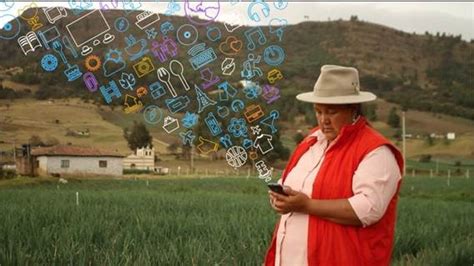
{"x": 7, "y": 174}
{"x": 425, "y": 158}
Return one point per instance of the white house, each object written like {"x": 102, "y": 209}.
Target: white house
{"x": 77, "y": 161}
{"x": 451, "y": 136}
{"x": 142, "y": 159}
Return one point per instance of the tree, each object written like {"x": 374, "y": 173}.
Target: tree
{"x": 35, "y": 141}
{"x": 393, "y": 118}
{"x": 138, "y": 137}
{"x": 298, "y": 137}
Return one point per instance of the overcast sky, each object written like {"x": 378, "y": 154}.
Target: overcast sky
{"x": 452, "y": 18}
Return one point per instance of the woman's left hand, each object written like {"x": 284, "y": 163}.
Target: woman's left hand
{"x": 294, "y": 202}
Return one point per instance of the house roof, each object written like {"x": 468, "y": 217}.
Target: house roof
{"x": 66, "y": 150}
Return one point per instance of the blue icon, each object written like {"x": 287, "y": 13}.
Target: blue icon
{"x": 151, "y": 33}
{"x": 152, "y": 114}
{"x": 11, "y": 29}
{"x": 237, "y": 127}
{"x": 121, "y": 24}
{"x": 127, "y": 81}
{"x": 49, "y": 62}
{"x": 110, "y": 91}
{"x": 157, "y": 90}
{"x": 177, "y": 104}
{"x": 203, "y": 100}
{"x": 214, "y": 33}
{"x": 247, "y": 144}
{"x": 226, "y": 90}
{"x": 223, "y": 111}
{"x": 187, "y": 137}
{"x": 270, "y": 121}
{"x": 113, "y": 62}
{"x": 250, "y": 68}
{"x": 260, "y": 37}
{"x": 201, "y": 56}
{"x": 259, "y": 5}
{"x": 166, "y": 27}
{"x": 212, "y": 124}
{"x": 79, "y": 6}
{"x": 274, "y": 55}
{"x": 49, "y": 35}
{"x": 131, "y": 5}
{"x": 237, "y": 105}
{"x": 280, "y": 4}
{"x": 252, "y": 91}
{"x": 189, "y": 120}
{"x": 135, "y": 49}
{"x": 225, "y": 141}
{"x": 277, "y": 26}
{"x": 172, "y": 8}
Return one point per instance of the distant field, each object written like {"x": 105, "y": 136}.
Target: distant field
{"x": 218, "y": 221}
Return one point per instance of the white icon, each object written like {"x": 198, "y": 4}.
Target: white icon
{"x": 264, "y": 143}
{"x": 146, "y": 18}
{"x": 256, "y": 130}
{"x": 170, "y": 124}
{"x": 99, "y": 27}
{"x": 263, "y": 171}
{"x": 54, "y": 14}
{"x": 234, "y": 22}
{"x": 29, "y": 42}
{"x": 236, "y": 156}
{"x": 228, "y": 66}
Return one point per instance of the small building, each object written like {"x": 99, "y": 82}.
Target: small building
{"x": 141, "y": 159}
{"x": 64, "y": 160}
{"x": 451, "y": 136}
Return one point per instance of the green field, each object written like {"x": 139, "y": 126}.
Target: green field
{"x": 218, "y": 221}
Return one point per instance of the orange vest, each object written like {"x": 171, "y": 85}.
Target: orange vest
{"x": 330, "y": 243}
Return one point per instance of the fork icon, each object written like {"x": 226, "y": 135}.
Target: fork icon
{"x": 164, "y": 76}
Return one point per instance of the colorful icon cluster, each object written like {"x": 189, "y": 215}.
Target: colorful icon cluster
{"x": 143, "y": 54}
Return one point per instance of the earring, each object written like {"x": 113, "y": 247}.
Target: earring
{"x": 354, "y": 117}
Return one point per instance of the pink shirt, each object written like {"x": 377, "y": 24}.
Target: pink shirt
{"x": 374, "y": 184}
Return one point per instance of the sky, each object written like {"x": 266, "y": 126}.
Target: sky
{"x": 451, "y": 18}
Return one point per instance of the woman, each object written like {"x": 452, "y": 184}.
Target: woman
{"x": 342, "y": 183}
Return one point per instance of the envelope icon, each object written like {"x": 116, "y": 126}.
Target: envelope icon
{"x": 170, "y": 124}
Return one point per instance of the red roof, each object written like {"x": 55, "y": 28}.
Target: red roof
{"x": 66, "y": 150}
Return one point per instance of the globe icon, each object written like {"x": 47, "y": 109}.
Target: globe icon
{"x": 236, "y": 156}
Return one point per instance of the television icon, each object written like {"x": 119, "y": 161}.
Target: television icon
{"x": 89, "y": 27}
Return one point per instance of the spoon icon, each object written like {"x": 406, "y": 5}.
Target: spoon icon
{"x": 177, "y": 69}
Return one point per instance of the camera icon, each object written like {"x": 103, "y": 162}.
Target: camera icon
{"x": 144, "y": 67}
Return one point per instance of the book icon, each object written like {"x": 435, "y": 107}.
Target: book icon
{"x": 29, "y": 42}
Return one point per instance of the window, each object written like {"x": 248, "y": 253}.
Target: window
{"x": 103, "y": 164}
{"x": 64, "y": 163}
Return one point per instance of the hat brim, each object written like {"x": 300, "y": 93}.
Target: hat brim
{"x": 362, "y": 97}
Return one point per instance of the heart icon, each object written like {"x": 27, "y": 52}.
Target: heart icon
{"x": 231, "y": 46}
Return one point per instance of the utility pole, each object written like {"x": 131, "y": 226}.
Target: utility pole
{"x": 404, "y": 142}
{"x": 192, "y": 158}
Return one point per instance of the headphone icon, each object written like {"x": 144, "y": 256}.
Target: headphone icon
{"x": 265, "y": 10}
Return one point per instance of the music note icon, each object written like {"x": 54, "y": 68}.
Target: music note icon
{"x": 261, "y": 39}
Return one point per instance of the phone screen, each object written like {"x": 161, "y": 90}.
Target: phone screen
{"x": 277, "y": 188}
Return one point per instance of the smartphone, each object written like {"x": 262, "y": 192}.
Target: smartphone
{"x": 277, "y": 188}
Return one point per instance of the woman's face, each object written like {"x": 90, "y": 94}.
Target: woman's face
{"x": 332, "y": 117}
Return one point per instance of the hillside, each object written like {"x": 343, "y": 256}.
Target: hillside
{"x": 27, "y": 117}
{"x": 422, "y": 72}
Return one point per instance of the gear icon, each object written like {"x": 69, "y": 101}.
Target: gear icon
{"x": 93, "y": 63}
{"x": 49, "y": 62}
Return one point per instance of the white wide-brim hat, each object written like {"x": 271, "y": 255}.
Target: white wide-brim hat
{"x": 337, "y": 85}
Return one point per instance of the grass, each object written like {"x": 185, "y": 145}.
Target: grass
{"x": 215, "y": 221}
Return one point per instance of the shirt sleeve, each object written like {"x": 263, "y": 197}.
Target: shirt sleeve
{"x": 374, "y": 184}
